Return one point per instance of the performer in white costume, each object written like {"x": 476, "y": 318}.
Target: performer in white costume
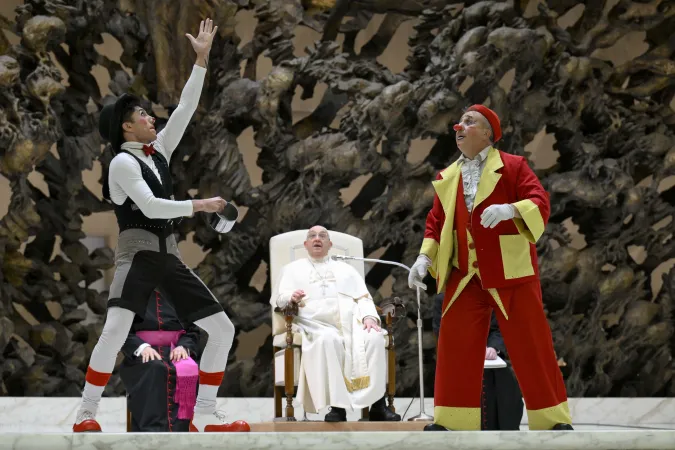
{"x": 343, "y": 348}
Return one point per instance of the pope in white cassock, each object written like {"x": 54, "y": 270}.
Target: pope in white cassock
{"x": 343, "y": 348}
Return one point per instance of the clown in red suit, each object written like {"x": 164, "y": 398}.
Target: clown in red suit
{"x": 488, "y": 213}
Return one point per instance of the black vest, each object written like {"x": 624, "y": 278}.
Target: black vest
{"x": 129, "y": 214}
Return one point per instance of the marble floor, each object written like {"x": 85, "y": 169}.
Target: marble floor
{"x": 27, "y": 414}
{"x": 401, "y": 440}
{"x": 600, "y": 423}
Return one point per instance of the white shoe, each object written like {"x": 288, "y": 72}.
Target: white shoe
{"x": 215, "y": 422}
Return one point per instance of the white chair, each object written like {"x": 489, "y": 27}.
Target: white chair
{"x": 287, "y": 341}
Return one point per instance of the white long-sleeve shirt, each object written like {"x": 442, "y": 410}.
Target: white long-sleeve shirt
{"x": 125, "y": 178}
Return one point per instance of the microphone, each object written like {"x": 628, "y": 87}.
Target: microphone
{"x": 419, "y": 284}
{"x": 340, "y": 257}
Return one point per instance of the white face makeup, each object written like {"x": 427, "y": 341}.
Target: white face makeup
{"x": 472, "y": 133}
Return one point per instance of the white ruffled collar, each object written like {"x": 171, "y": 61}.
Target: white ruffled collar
{"x": 482, "y": 156}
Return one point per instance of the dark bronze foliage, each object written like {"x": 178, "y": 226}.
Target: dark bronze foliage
{"x": 613, "y": 129}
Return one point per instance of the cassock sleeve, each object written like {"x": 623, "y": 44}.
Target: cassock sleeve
{"x": 533, "y": 204}
{"x": 285, "y": 290}
{"x": 130, "y": 346}
{"x": 190, "y": 340}
{"x": 432, "y": 233}
{"x": 495, "y": 339}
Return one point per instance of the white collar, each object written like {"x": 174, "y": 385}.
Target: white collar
{"x": 479, "y": 157}
{"x": 319, "y": 260}
{"x": 133, "y": 145}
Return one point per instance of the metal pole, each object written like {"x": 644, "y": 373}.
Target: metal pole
{"x": 422, "y": 416}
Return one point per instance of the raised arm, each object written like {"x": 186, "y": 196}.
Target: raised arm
{"x": 172, "y": 133}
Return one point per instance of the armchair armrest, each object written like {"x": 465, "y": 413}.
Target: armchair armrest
{"x": 393, "y": 307}
{"x": 288, "y": 312}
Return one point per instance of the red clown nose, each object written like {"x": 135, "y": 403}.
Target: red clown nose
{"x": 457, "y": 127}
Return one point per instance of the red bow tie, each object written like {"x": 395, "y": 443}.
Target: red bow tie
{"x": 148, "y": 150}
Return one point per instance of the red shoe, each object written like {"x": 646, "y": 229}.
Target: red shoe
{"x": 86, "y": 423}
{"x": 215, "y": 423}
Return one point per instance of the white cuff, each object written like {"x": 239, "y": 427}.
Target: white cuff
{"x": 141, "y": 348}
{"x": 376, "y": 319}
{"x": 283, "y": 300}
{"x": 425, "y": 258}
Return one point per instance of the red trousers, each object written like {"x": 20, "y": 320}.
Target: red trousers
{"x": 461, "y": 356}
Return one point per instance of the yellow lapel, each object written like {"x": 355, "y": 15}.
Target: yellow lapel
{"x": 489, "y": 177}
{"x": 446, "y": 189}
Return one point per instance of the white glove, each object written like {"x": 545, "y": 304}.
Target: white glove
{"x": 418, "y": 270}
{"x": 494, "y": 214}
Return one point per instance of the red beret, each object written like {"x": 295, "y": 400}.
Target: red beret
{"x": 492, "y": 118}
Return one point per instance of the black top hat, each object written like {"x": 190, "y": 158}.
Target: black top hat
{"x": 111, "y": 117}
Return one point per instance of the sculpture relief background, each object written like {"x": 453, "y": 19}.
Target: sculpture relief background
{"x": 339, "y": 112}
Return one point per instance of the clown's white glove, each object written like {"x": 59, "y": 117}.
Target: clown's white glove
{"x": 494, "y": 214}
{"x": 418, "y": 270}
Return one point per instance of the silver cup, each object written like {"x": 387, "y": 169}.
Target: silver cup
{"x": 224, "y": 221}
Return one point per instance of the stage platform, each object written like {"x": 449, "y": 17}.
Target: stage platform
{"x": 600, "y": 423}
{"x": 389, "y": 440}
{"x": 319, "y": 426}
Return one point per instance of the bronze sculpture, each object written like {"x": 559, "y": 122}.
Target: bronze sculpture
{"x": 613, "y": 129}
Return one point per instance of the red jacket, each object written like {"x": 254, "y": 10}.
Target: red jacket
{"x": 506, "y": 254}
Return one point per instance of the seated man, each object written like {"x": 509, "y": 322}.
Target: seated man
{"x": 343, "y": 348}
{"x": 158, "y": 370}
{"x": 502, "y": 401}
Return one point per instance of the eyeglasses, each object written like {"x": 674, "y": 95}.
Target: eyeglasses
{"x": 322, "y": 236}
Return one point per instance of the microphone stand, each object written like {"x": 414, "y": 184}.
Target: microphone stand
{"x": 422, "y": 416}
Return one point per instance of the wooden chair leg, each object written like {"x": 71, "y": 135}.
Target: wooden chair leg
{"x": 276, "y": 389}
{"x": 278, "y": 392}
{"x": 128, "y": 415}
{"x": 391, "y": 364}
{"x": 365, "y": 413}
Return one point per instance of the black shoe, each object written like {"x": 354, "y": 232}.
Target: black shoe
{"x": 336, "y": 415}
{"x": 562, "y": 427}
{"x": 435, "y": 427}
{"x": 379, "y": 412}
